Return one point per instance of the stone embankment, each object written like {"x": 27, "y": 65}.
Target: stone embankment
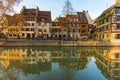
{"x": 25, "y": 42}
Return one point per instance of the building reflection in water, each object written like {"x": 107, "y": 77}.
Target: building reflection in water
{"x": 19, "y": 63}
{"x": 108, "y": 61}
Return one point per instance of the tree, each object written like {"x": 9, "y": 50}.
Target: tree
{"x": 68, "y": 9}
{"x": 7, "y": 6}
{"x": 66, "y": 12}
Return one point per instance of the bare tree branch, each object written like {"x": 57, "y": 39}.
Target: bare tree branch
{"x": 6, "y": 6}
{"x": 68, "y": 9}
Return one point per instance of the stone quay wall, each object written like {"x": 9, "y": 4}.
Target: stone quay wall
{"x": 26, "y": 42}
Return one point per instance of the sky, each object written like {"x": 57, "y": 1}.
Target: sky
{"x": 94, "y": 7}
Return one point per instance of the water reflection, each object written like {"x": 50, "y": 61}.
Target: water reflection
{"x": 60, "y": 63}
{"x": 108, "y": 61}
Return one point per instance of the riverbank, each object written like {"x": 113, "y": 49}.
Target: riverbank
{"x": 25, "y": 42}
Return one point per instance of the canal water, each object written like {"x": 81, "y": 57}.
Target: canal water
{"x": 59, "y": 63}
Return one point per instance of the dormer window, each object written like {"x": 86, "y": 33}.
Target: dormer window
{"x": 42, "y": 20}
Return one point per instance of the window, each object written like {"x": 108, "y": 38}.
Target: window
{"x": 64, "y": 29}
{"x": 28, "y": 24}
{"x": 103, "y": 22}
{"x": 56, "y": 30}
{"x": 70, "y": 25}
{"x": 108, "y": 19}
{"x": 10, "y": 35}
{"x": 99, "y": 29}
{"x": 32, "y": 29}
{"x": 116, "y": 55}
{"x": 107, "y": 35}
{"x": 27, "y": 29}
{"x": 102, "y": 36}
{"x": 83, "y": 31}
{"x": 116, "y": 64}
{"x": 33, "y": 19}
{"x": 22, "y": 29}
{"x": 77, "y": 25}
{"x": 10, "y": 30}
{"x": 103, "y": 28}
{"x": 76, "y": 19}
{"x": 118, "y": 26}
{"x": 39, "y": 24}
{"x": 28, "y": 19}
{"x": 115, "y": 72}
{"x": 40, "y": 30}
{"x": 56, "y": 24}
{"x": 73, "y": 30}
{"x": 73, "y": 25}
{"x": 17, "y": 30}
{"x": 33, "y": 24}
{"x": 45, "y": 30}
{"x": 117, "y": 36}
{"x": 42, "y": 20}
{"x": 14, "y": 34}
{"x": 117, "y": 18}
{"x": 23, "y": 34}
{"x": 33, "y": 14}
{"x": 25, "y": 24}
{"x": 117, "y": 10}
{"x": 107, "y": 27}
{"x": 83, "y": 26}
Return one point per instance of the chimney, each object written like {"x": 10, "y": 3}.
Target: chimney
{"x": 37, "y": 8}
{"x": 23, "y": 8}
{"x": 83, "y": 10}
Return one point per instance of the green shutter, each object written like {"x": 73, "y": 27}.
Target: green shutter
{"x": 116, "y": 65}
{"x": 115, "y": 10}
{"x": 115, "y": 36}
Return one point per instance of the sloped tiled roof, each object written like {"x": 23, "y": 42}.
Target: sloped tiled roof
{"x": 36, "y": 13}
{"x": 44, "y": 14}
{"x": 30, "y": 10}
{"x": 7, "y": 16}
{"x": 88, "y": 17}
{"x": 84, "y": 16}
{"x": 61, "y": 19}
{"x": 111, "y": 7}
{"x": 81, "y": 16}
{"x": 56, "y": 19}
{"x": 13, "y": 20}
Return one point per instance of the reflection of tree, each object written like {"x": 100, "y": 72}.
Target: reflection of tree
{"x": 75, "y": 63}
{"x": 67, "y": 74}
{"x": 16, "y": 68}
{"x": 32, "y": 68}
